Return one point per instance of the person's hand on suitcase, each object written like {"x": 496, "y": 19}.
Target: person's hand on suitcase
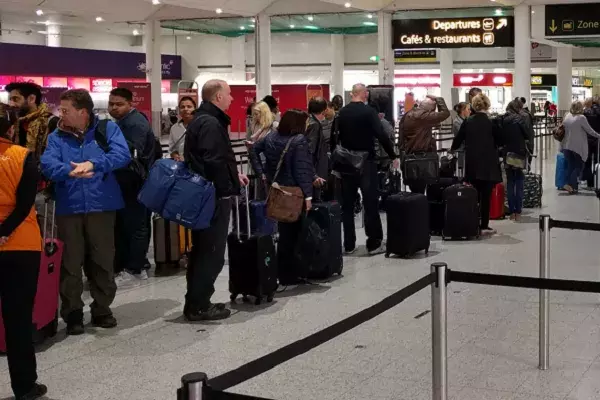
{"x": 308, "y": 204}
{"x": 244, "y": 181}
{"x": 319, "y": 182}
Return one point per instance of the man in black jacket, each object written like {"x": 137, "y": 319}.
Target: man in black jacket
{"x": 208, "y": 152}
{"x": 316, "y": 141}
{"x": 359, "y": 127}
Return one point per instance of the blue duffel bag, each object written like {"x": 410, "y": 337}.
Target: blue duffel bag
{"x": 179, "y": 195}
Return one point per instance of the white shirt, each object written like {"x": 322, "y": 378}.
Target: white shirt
{"x": 176, "y": 134}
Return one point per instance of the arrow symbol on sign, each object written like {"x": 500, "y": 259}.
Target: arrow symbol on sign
{"x": 553, "y": 27}
{"x": 502, "y": 22}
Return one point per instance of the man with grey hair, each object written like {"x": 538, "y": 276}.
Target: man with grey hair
{"x": 416, "y": 131}
{"x": 208, "y": 152}
{"x": 359, "y": 127}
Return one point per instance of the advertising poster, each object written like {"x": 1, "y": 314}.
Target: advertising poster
{"x": 51, "y": 96}
{"x": 142, "y": 97}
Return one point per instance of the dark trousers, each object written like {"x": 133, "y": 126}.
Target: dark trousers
{"x": 484, "y": 191}
{"x": 367, "y": 182}
{"x": 132, "y": 234}
{"x": 92, "y": 233}
{"x": 416, "y": 186}
{"x": 288, "y": 238}
{"x": 207, "y": 258}
{"x": 19, "y": 272}
{"x": 574, "y": 166}
{"x": 514, "y": 188}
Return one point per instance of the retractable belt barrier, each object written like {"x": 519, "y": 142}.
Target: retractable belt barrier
{"x": 574, "y": 225}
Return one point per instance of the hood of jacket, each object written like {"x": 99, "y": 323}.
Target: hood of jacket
{"x": 214, "y": 111}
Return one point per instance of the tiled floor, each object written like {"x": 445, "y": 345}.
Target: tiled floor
{"x": 492, "y": 331}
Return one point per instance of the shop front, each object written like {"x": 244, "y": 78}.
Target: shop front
{"x": 497, "y": 86}
{"x": 582, "y": 88}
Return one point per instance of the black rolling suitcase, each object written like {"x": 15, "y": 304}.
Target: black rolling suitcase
{"x": 407, "y": 224}
{"x": 462, "y": 212}
{"x": 319, "y": 249}
{"x": 437, "y": 207}
{"x": 252, "y": 262}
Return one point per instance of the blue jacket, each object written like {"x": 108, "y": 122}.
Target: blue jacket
{"x": 297, "y": 168}
{"x": 79, "y": 195}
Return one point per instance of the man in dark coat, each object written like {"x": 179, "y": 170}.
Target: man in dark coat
{"x": 208, "y": 152}
{"x": 592, "y": 113}
{"x": 316, "y": 140}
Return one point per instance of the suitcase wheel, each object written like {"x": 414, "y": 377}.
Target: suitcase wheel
{"x": 270, "y": 299}
{"x": 258, "y": 301}
{"x": 427, "y": 251}
{"x": 387, "y": 255}
{"x": 233, "y": 297}
{"x": 245, "y": 299}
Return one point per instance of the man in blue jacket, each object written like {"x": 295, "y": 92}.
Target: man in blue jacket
{"x": 132, "y": 232}
{"x": 80, "y": 158}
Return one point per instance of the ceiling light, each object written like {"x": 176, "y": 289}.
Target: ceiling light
{"x": 188, "y": 37}
{"x": 310, "y": 18}
{"x": 498, "y": 11}
{"x": 533, "y": 12}
{"x": 242, "y": 27}
{"x": 292, "y": 26}
{"x": 348, "y": 5}
{"x": 253, "y": 20}
{"x": 219, "y": 11}
{"x": 156, "y": 2}
{"x": 252, "y": 26}
{"x": 40, "y": 12}
{"x": 370, "y": 16}
{"x": 136, "y": 32}
{"x": 43, "y": 32}
{"x": 369, "y": 23}
{"x": 99, "y": 19}
{"x": 311, "y": 27}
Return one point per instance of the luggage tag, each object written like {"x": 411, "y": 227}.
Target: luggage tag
{"x": 49, "y": 245}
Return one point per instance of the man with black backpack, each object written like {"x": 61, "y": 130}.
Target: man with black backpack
{"x": 132, "y": 226}
{"x": 87, "y": 194}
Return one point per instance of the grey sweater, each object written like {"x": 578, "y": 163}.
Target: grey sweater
{"x": 577, "y": 129}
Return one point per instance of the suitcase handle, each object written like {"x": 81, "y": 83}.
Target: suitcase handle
{"x": 237, "y": 210}
{"x": 45, "y": 229}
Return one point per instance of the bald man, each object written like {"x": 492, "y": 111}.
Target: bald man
{"x": 359, "y": 127}
{"x": 208, "y": 152}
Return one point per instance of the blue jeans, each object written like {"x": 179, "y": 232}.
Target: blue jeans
{"x": 574, "y": 166}
{"x": 514, "y": 188}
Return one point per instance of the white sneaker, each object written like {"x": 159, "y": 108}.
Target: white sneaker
{"x": 123, "y": 279}
{"x": 379, "y": 250}
{"x": 142, "y": 276}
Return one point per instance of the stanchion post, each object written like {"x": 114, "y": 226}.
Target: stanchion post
{"x": 192, "y": 386}
{"x": 544, "y": 293}
{"x": 439, "y": 332}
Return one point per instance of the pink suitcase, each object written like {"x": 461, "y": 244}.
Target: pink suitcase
{"x": 45, "y": 309}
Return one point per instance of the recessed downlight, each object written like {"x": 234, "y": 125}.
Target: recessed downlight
{"x": 310, "y": 18}
{"x": 99, "y": 19}
{"x": 348, "y": 5}
{"x": 40, "y": 12}
{"x": 136, "y": 32}
{"x": 219, "y": 11}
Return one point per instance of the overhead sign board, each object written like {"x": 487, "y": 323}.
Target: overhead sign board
{"x": 443, "y": 33}
{"x": 572, "y": 19}
{"x": 410, "y": 56}
{"x": 543, "y": 80}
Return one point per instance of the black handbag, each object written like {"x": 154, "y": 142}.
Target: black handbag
{"x": 421, "y": 166}
{"x": 348, "y": 162}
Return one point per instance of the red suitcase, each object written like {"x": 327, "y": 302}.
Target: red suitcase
{"x": 497, "y": 202}
{"x": 45, "y": 309}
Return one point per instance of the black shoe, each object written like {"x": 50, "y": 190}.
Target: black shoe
{"x": 75, "y": 323}
{"x": 104, "y": 321}
{"x": 38, "y": 391}
{"x": 214, "y": 313}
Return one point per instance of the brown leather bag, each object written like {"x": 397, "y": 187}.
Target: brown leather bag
{"x": 284, "y": 203}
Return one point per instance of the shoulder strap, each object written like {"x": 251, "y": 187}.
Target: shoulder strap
{"x": 101, "y": 136}
{"x": 280, "y": 163}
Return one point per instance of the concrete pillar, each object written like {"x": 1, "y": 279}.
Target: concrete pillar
{"x": 384, "y": 48}
{"x": 152, "y": 39}
{"x": 522, "y": 78}
{"x": 337, "y": 65}
{"x": 53, "y": 38}
{"x": 238, "y": 59}
{"x": 564, "y": 78}
{"x": 446, "y": 74}
{"x": 263, "y": 55}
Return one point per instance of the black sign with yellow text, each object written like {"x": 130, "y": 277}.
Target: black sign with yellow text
{"x": 444, "y": 33}
{"x": 573, "y": 19}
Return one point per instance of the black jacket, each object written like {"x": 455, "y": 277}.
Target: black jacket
{"x": 513, "y": 132}
{"x": 208, "y": 150}
{"x": 481, "y": 149}
{"x": 318, "y": 146}
{"x": 593, "y": 117}
{"x": 528, "y": 123}
{"x": 297, "y": 168}
{"x": 359, "y": 126}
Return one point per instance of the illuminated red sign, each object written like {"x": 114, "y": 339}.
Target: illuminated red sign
{"x": 483, "y": 79}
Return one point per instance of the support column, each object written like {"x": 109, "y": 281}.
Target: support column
{"x": 53, "y": 35}
{"x": 384, "y": 49}
{"x": 238, "y": 59}
{"x": 446, "y": 57}
{"x": 564, "y": 78}
{"x": 263, "y": 55}
{"x": 522, "y": 78}
{"x": 152, "y": 38}
{"x": 337, "y": 65}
